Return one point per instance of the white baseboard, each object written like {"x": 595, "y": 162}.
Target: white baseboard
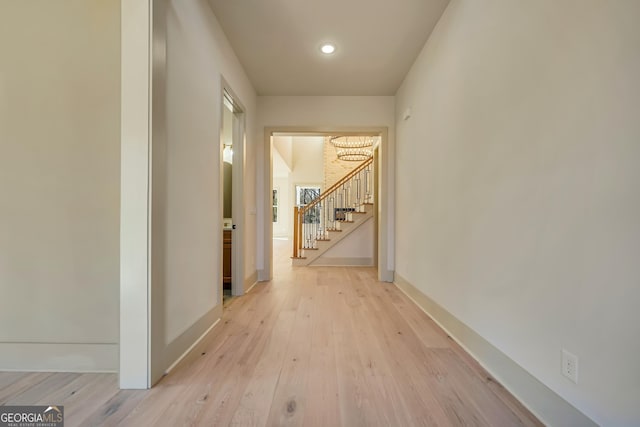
{"x": 180, "y": 347}
{"x": 250, "y": 282}
{"x": 544, "y": 403}
{"x": 59, "y": 357}
{"x": 263, "y": 276}
{"x": 342, "y": 262}
{"x": 208, "y": 321}
{"x": 187, "y": 351}
{"x": 385, "y": 275}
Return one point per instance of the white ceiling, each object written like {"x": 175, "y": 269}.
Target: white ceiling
{"x": 277, "y": 42}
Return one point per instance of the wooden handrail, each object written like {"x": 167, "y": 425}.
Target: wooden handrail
{"x": 331, "y": 189}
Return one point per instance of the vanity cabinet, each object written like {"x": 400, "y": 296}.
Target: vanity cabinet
{"x": 226, "y": 258}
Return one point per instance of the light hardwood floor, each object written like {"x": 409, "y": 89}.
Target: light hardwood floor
{"x": 314, "y": 347}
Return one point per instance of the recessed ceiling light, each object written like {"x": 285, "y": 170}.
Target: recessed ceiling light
{"x": 327, "y": 48}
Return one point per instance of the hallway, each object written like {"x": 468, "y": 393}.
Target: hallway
{"x": 314, "y": 347}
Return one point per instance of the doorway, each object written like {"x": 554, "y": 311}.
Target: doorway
{"x": 232, "y": 139}
{"x": 383, "y": 225}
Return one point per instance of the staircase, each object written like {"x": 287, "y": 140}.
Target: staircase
{"x": 333, "y": 215}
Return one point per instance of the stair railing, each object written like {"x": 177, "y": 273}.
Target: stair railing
{"x": 314, "y": 221}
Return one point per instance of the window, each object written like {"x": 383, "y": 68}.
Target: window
{"x": 275, "y": 205}
{"x": 304, "y": 196}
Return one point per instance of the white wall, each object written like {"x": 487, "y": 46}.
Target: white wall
{"x": 186, "y": 181}
{"x": 281, "y": 181}
{"x": 517, "y": 189}
{"x": 284, "y": 146}
{"x": 357, "y": 246}
{"x": 59, "y": 181}
{"x": 307, "y": 154}
{"x": 325, "y": 113}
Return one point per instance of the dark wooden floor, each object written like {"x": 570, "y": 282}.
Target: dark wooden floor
{"x": 314, "y": 347}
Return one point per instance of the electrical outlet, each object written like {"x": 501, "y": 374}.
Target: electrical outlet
{"x": 570, "y": 366}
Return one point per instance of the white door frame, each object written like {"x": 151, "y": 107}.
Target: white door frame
{"x": 385, "y": 214}
{"x": 139, "y": 24}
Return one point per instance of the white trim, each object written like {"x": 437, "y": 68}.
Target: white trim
{"x": 191, "y": 347}
{"x": 158, "y": 193}
{"x": 239, "y": 135}
{"x": 250, "y": 282}
{"x": 135, "y": 189}
{"x": 59, "y": 357}
{"x": 342, "y": 262}
{"x": 543, "y": 402}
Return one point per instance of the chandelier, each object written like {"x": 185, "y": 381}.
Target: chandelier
{"x": 353, "y": 148}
